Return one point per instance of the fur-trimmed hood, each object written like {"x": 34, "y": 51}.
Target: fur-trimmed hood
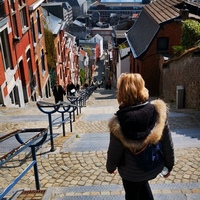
{"x": 155, "y": 134}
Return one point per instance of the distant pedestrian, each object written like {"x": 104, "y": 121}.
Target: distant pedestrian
{"x": 58, "y": 92}
{"x": 137, "y": 125}
{"x": 108, "y": 85}
{"x": 86, "y": 85}
{"x": 71, "y": 89}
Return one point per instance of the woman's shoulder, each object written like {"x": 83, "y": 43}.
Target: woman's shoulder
{"x": 160, "y": 105}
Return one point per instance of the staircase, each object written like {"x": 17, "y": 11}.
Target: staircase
{"x": 178, "y": 191}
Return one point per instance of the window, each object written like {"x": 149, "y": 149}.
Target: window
{"x": 38, "y": 22}
{"x": 30, "y": 71}
{"x": 5, "y": 49}
{"x": 23, "y": 18}
{"x": 20, "y": 2}
{"x": 162, "y": 44}
{"x": 15, "y": 30}
{"x": 12, "y": 5}
{"x": 42, "y": 60}
{"x": 28, "y": 60}
{"x": 33, "y": 30}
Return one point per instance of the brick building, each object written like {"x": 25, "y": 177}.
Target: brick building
{"x": 41, "y": 72}
{"x": 153, "y": 34}
{"x": 66, "y": 57}
{"x": 24, "y": 71}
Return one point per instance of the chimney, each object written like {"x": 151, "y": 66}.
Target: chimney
{"x": 184, "y": 13}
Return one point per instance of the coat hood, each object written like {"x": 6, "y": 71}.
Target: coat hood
{"x": 155, "y": 134}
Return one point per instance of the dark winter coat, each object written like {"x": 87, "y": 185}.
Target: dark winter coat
{"x": 71, "y": 87}
{"x": 130, "y": 131}
{"x": 58, "y": 93}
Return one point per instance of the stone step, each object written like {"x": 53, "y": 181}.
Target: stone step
{"x": 100, "y": 142}
{"x": 176, "y": 191}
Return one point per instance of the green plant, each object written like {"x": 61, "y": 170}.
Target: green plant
{"x": 82, "y": 76}
{"x": 50, "y": 49}
{"x": 190, "y": 33}
{"x": 123, "y": 46}
{"x": 177, "y": 49}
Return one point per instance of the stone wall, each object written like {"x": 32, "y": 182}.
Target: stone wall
{"x": 183, "y": 71}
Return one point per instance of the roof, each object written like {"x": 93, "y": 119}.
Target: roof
{"x": 124, "y": 52}
{"x": 117, "y": 4}
{"x": 153, "y": 15}
{"x": 73, "y": 2}
{"x": 194, "y": 51}
{"x": 53, "y": 23}
{"x": 120, "y": 33}
{"x": 78, "y": 23}
{"x": 58, "y": 9}
{"x": 79, "y": 31}
{"x": 87, "y": 44}
{"x": 163, "y": 10}
{"x": 98, "y": 36}
{"x": 57, "y": 4}
{"x": 110, "y": 28}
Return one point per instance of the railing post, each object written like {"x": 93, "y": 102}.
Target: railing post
{"x": 37, "y": 182}
{"x": 70, "y": 123}
{"x": 51, "y": 133}
{"x": 32, "y": 143}
{"x": 63, "y": 124}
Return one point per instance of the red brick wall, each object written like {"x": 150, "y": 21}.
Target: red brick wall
{"x": 97, "y": 52}
{"x": 173, "y": 31}
{"x": 43, "y": 76}
{"x": 184, "y": 71}
{"x": 29, "y": 2}
{"x": 2, "y": 77}
{"x": 149, "y": 63}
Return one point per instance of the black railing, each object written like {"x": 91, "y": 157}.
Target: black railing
{"x": 38, "y": 138}
{"x": 62, "y": 108}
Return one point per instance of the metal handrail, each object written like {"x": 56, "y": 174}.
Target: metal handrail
{"x": 33, "y": 142}
{"x": 60, "y": 107}
{"x": 64, "y": 107}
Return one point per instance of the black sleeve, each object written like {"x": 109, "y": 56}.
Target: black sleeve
{"x": 114, "y": 154}
{"x": 168, "y": 148}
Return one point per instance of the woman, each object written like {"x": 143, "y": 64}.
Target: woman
{"x": 71, "y": 89}
{"x": 136, "y": 124}
{"x": 58, "y": 92}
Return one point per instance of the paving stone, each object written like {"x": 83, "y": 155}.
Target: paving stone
{"x": 77, "y": 167}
